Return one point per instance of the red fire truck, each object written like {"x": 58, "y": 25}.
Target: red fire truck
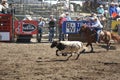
{"x": 22, "y": 30}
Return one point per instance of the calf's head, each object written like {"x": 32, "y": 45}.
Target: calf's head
{"x": 58, "y": 45}
{"x": 54, "y": 44}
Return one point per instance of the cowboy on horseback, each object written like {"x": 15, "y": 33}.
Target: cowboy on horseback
{"x": 97, "y": 26}
{"x": 92, "y": 33}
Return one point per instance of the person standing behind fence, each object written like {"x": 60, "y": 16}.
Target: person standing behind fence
{"x": 51, "y": 29}
{"x": 60, "y": 22}
{"x": 113, "y": 11}
{"x": 100, "y": 10}
{"x": 5, "y": 6}
{"x": 41, "y": 24}
{"x": 118, "y": 10}
{"x": 1, "y": 8}
{"x": 67, "y": 16}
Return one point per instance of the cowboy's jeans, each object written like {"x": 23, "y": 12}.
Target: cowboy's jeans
{"x": 98, "y": 35}
{"x": 98, "y": 30}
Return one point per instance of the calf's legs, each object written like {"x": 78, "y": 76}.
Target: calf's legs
{"x": 69, "y": 56}
{"x": 80, "y": 53}
{"x": 57, "y": 53}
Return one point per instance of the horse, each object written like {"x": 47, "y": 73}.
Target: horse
{"x": 104, "y": 36}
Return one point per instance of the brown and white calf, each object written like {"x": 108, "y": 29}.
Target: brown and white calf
{"x": 69, "y": 47}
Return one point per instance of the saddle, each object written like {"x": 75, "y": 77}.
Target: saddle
{"x": 101, "y": 34}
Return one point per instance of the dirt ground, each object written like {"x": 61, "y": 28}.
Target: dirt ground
{"x": 37, "y": 61}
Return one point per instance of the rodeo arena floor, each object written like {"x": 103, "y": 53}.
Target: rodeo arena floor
{"x": 37, "y": 61}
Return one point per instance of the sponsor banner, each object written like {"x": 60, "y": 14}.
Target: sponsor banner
{"x": 72, "y": 26}
{"x": 115, "y": 27}
{"x": 26, "y": 27}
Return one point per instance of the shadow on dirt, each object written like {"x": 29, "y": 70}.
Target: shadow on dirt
{"x": 64, "y": 60}
{"x": 110, "y": 63}
{"x": 56, "y": 60}
{"x": 105, "y": 47}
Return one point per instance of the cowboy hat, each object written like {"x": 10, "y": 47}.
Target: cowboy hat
{"x": 101, "y": 5}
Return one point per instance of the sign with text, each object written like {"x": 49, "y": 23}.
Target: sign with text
{"x": 72, "y": 26}
{"x": 26, "y": 27}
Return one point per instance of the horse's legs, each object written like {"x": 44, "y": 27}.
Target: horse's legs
{"x": 108, "y": 46}
{"x": 107, "y": 40}
{"x": 90, "y": 46}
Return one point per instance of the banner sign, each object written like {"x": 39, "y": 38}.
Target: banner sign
{"x": 72, "y": 26}
{"x": 26, "y": 27}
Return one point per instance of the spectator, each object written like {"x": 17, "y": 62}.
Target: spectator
{"x": 41, "y": 24}
{"x": 27, "y": 17}
{"x": 103, "y": 20}
{"x": 52, "y": 17}
{"x": 67, "y": 16}
{"x": 118, "y": 9}
{"x": 113, "y": 11}
{"x": 5, "y": 6}
{"x": 100, "y": 10}
{"x": 51, "y": 29}
{"x": 60, "y": 22}
{"x": 1, "y": 8}
{"x": 11, "y": 9}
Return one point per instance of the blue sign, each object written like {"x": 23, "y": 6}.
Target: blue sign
{"x": 72, "y": 26}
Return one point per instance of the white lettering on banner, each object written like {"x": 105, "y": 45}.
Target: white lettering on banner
{"x": 70, "y": 27}
{"x": 78, "y": 26}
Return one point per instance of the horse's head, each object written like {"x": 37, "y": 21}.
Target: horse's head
{"x": 83, "y": 28}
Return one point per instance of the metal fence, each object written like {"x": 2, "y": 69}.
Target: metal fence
{"x": 45, "y": 10}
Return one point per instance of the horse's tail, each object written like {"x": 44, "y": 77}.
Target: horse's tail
{"x": 115, "y": 37}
